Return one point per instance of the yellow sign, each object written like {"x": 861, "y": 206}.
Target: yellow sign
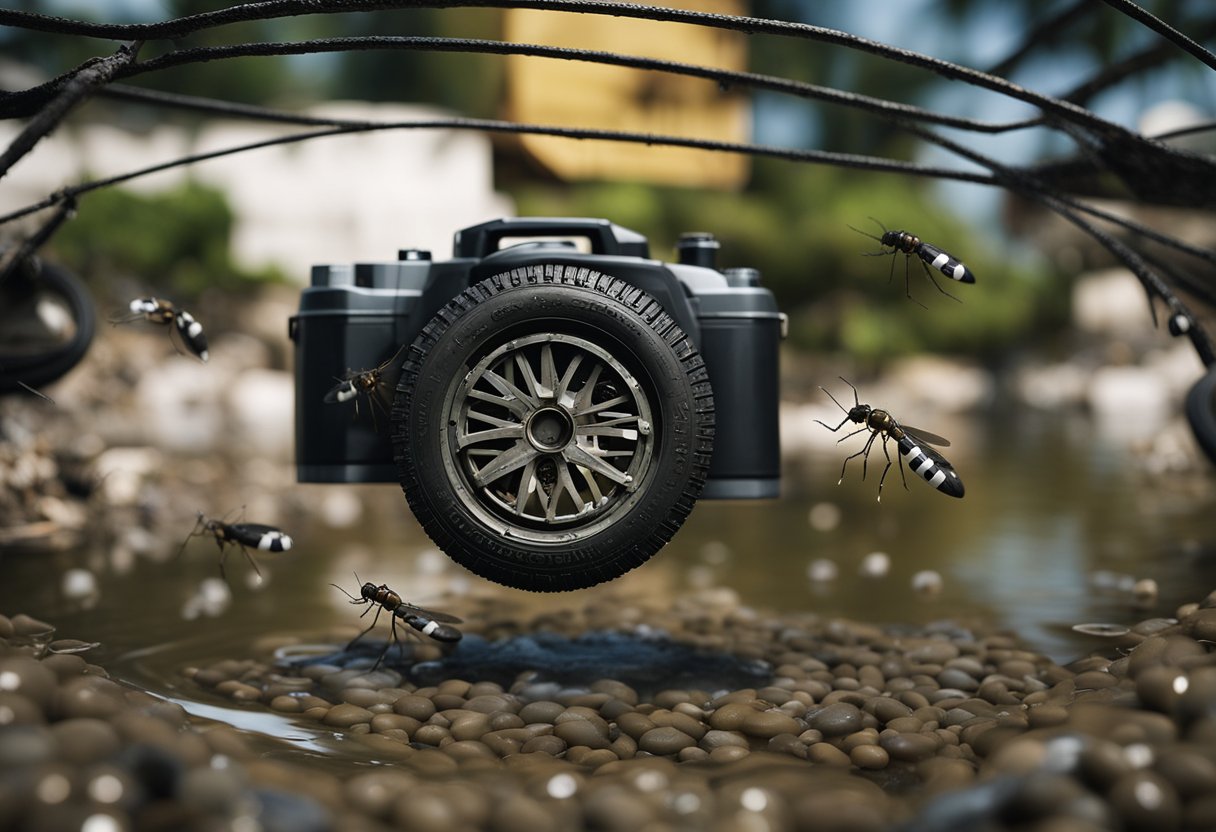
{"x": 580, "y": 94}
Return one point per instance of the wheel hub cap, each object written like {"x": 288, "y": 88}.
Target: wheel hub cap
{"x": 550, "y": 433}
{"x": 550, "y": 429}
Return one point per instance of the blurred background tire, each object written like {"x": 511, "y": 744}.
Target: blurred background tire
{"x": 47, "y": 322}
{"x": 1201, "y": 412}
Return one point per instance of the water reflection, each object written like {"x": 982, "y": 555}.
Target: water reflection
{"x": 1048, "y": 504}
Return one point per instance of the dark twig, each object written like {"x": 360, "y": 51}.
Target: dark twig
{"x": 1028, "y": 186}
{"x": 844, "y": 160}
{"x": 269, "y": 9}
{"x": 29, "y": 101}
{"x": 1164, "y": 29}
{"x": 84, "y": 80}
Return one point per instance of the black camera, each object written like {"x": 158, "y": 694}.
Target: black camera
{"x": 552, "y": 400}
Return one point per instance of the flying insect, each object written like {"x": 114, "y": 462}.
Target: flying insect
{"x": 903, "y": 242}
{"x": 912, "y": 445}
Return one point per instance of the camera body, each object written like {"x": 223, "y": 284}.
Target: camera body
{"x": 356, "y": 316}
{"x": 614, "y": 451}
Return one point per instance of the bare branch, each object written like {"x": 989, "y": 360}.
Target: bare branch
{"x": 84, "y": 81}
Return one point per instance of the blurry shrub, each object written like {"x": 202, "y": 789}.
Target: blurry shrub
{"x": 174, "y": 242}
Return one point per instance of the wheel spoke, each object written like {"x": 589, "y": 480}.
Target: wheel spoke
{"x": 508, "y": 389}
{"x": 615, "y": 419}
{"x": 582, "y": 400}
{"x": 604, "y": 430}
{"x": 527, "y": 484}
{"x": 597, "y": 408}
{"x": 513, "y": 432}
{"x": 511, "y": 403}
{"x": 514, "y": 457}
{"x": 564, "y": 483}
{"x": 548, "y": 373}
{"x": 493, "y": 420}
{"x": 592, "y": 485}
{"x": 525, "y": 369}
{"x": 562, "y": 393}
{"x": 578, "y": 455}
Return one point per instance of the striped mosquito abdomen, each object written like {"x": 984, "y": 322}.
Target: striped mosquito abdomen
{"x": 924, "y": 462}
{"x": 944, "y": 263}
{"x": 427, "y": 626}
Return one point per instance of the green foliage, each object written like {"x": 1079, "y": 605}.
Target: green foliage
{"x": 175, "y": 241}
{"x": 794, "y": 225}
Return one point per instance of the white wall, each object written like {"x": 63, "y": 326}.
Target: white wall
{"x": 330, "y": 200}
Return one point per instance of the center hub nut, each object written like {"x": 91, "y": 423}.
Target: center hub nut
{"x": 550, "y": 429}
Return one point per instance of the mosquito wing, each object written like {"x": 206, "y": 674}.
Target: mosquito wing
{"x": 390, "y": 372}
{"x": 926, "y": 436}
{"x": 152, "y": 309}
{"x": 441, "y": 617}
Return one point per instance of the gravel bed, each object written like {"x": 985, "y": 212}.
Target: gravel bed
{"x": 846, "y": 726}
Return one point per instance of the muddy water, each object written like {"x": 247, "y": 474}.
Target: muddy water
{"x": 1055, "y": 518}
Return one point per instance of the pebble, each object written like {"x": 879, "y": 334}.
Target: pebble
{"x": 827, "y": 754}
{"x": 768, "y": 724}
{"x": 28, "y": 677}
{"x": 908, "y": 747}
{"x": 1104, "y": 742}
{"x": 836, "y": 720}
{"x": 870, "y": 757}
{"x": 82, "y": 740}
{"x": 345, "y": 716}
{"x": 582, "y": 732}
{"x": 665, "y": 740}
{"x": 1146, "y": 801}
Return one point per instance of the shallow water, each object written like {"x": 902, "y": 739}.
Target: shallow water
{"x": 1054, "y": 514}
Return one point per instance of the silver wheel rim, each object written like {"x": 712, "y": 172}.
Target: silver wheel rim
{"x": 549, "y": 438}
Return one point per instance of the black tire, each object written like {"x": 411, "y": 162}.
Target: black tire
{"x": 1201, "y": 412}
{"x": 599, "y": 497}
{"x": 39, "y": 368}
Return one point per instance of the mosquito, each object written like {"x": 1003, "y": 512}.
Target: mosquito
{"x": 912, "y": 445}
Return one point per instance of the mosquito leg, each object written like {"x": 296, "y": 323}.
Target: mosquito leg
{"x": 851, "y": 435}
{"x": 908, "y": 282}
{"x": 856, "y": 401}
{"x": 937, "y": 285}
{"x": 369, "y": 628}
{"x": 883, "y": 478}
{"x": 902, "y": 476}
{"x": 249, "y": 557}
{"x": 376, "y": 398}
{"x": 865, "y": 460}
{"x": 862, "y": 453}
{"x": 393, "y": 639}
{"x": 843, "y": 422}
{"x": 833, "y": 398}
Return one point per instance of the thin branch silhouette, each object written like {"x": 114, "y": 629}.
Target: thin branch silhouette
{"x": 18, "y": 104}
{"x": 270, "y": 9}
{"x": 1164, "y": 29}
{"x": 1027, "y": 186}
{"x": 343, "y": 127}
